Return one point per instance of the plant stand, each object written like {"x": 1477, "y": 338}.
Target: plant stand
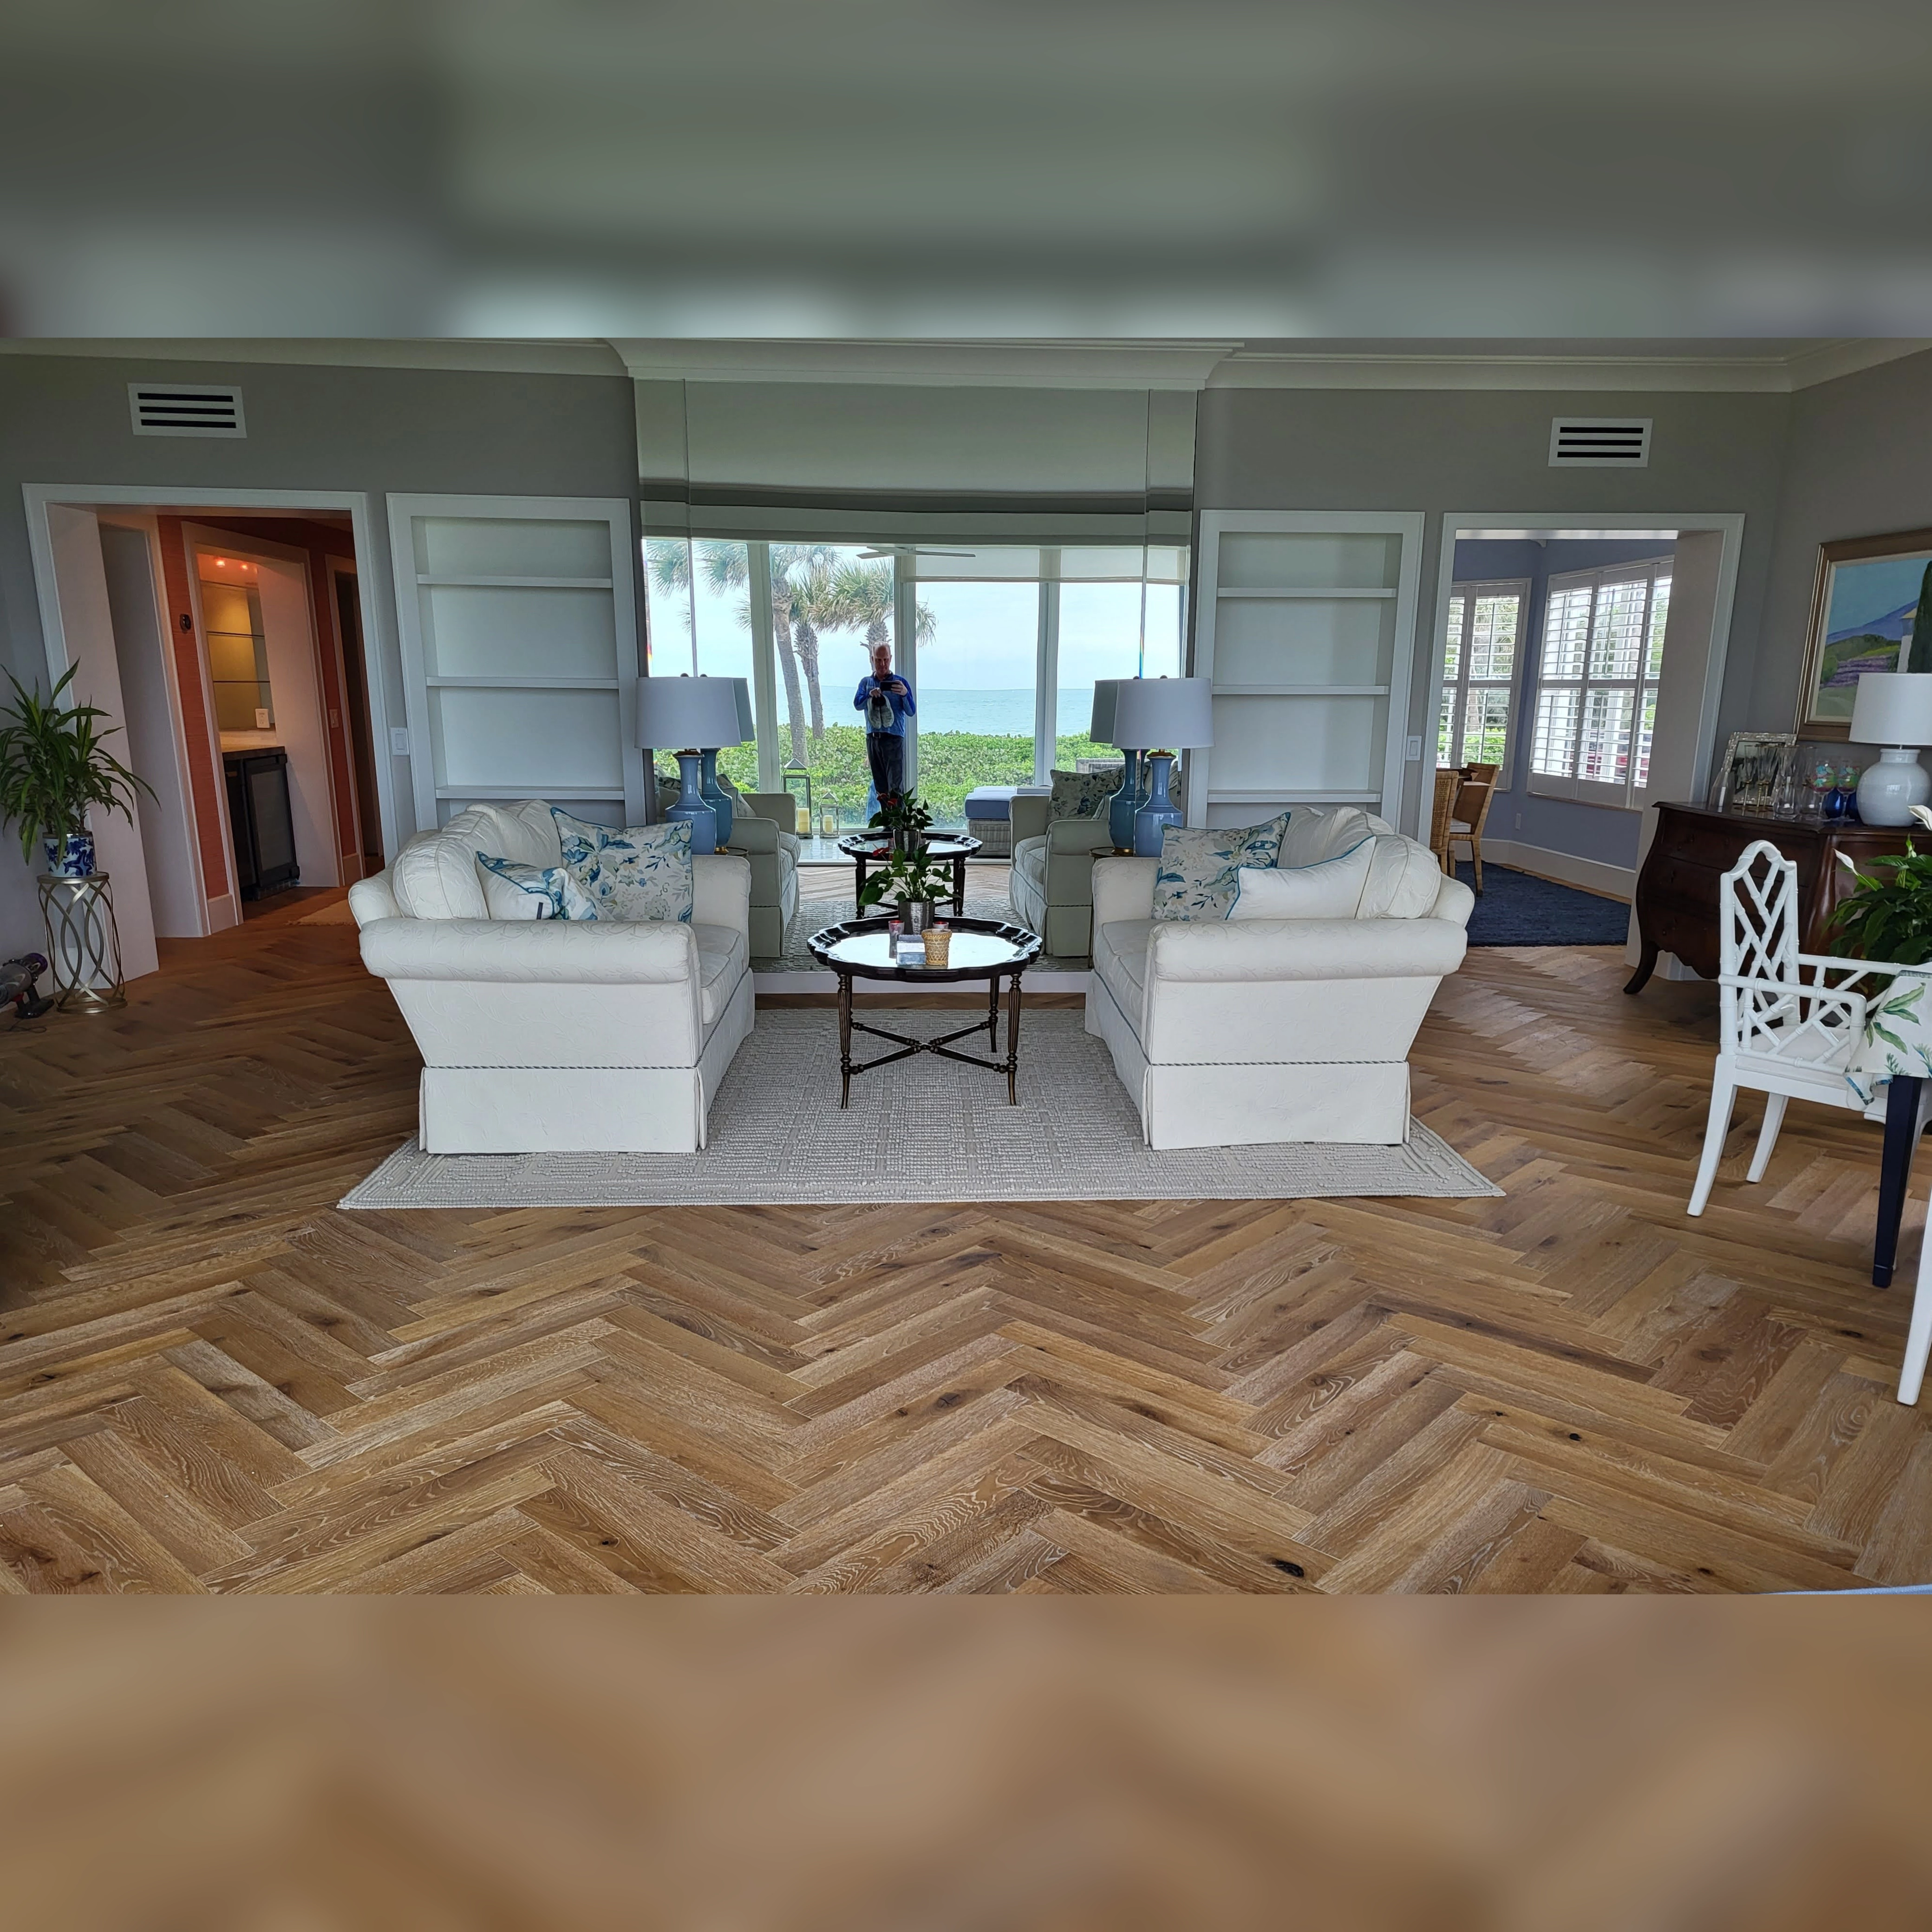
{"x": 83, "y": 942}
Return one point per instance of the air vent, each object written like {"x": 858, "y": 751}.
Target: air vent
{"x": 185, "y": 408}
{"x": 1599, "y": 442}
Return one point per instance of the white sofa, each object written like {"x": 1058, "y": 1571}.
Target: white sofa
{"x": 1228, "y": 1032}
{"x": 552, "y": 1034}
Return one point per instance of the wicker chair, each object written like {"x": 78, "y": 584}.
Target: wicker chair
{"x": 1469, "y": 814}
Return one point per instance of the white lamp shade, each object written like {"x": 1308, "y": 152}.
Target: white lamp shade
{"x": 747, "y": 722}
{"x": 1168, "y": 714}
{"x": 688, "y": 713}
{"x": 1101, "y": 729}
{"x": 1893, "y": 708}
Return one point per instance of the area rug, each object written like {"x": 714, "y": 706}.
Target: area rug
{"x": 922, "y": 1129}
{"x": 1519, "y": 909}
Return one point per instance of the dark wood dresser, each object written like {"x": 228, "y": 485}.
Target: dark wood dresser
{"x": 1677, "y": 890}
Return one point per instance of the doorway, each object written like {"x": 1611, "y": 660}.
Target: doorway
{"x": 1576, "y": 666}
{"x": 215, "y": 633}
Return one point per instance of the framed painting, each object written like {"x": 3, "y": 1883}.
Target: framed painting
{"x": 1864, "y": 608}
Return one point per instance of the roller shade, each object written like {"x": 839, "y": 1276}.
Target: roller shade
{"x": 794, "y": 460}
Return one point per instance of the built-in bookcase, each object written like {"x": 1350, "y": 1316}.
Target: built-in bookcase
{"x": 1306, "y": 626}
{"x": 520, "y": 650}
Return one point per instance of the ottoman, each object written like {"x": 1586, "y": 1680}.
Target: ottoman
{"x": 988, "y": 816}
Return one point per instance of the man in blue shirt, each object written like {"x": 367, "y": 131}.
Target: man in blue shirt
{"x": 886, "y": 699}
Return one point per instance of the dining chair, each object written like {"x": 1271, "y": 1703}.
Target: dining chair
{"x": 1447, "y": 781}
{"x": 1470, "y": 813}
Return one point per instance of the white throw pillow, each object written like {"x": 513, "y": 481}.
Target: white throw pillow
{"x": 511, "y": 890}
{"x": 1331, "y": 889}
{"x": 434, "y": 876}
{"x": 643, "y": 872}
{"x": 1404, "y": 880}
{"x": 1196, "y": 876}
{"x": 1315, "y": 832}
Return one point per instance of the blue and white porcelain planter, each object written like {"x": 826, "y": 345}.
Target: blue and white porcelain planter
{"x": 70, "y": 856}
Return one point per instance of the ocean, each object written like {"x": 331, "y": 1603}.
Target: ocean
{"x": 1000, "y": 714}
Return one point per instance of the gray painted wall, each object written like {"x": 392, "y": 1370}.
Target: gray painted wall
{"x": 1859, "y": 464}
{"x": 1488, "y": 452}
{"x": 64, "y": 420}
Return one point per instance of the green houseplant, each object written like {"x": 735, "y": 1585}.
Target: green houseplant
{"x": 1889, "y": 917}
{"x": 913, "y": 882}
{"x": 906, "y": 818}
{"x": 54, "y": 765}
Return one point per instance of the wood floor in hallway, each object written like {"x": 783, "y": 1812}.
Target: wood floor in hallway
{"x": 212, "y": 1379}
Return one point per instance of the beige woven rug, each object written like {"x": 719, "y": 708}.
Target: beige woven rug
{"x": 923, "y": 1129}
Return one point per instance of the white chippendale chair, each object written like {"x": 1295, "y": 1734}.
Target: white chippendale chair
{"x": 1788, "y": 1020}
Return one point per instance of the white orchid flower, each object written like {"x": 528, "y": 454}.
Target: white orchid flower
{"x": 1924, "y": 815}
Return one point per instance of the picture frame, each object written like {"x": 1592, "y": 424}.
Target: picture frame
{"x": 1753, "y": 763}
{"x": 1865, "y": 603}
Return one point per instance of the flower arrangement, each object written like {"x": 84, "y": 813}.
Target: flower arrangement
{"x": 53, "y": 765}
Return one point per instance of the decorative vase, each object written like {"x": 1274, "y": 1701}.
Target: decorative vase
{"x": 1125, "y": 803}
{"x": 714, "y": 795}
{"x": 916, "y": 915}
{"x": 1151, "y": 821}
{"x": 691, "y": 807}
{"x": 70, "y": 856}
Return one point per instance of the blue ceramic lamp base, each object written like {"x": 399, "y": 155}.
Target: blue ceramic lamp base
{"x": 715, "y": 796}
{"x": 1151, "y": 821}
{"x": 1121, "y": 808}
{"x": 691, "y": 806}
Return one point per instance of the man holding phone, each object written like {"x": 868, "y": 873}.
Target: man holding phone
{"x": 886, "y": 699}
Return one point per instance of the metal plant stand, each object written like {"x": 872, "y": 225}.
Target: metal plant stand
{"x": 83, "y": 942}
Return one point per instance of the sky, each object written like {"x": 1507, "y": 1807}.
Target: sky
{"x": 1861, "y": 592}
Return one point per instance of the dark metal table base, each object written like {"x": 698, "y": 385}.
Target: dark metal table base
{"x": 943, "y": 1045}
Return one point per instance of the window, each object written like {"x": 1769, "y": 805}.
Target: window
{"x": 1480, "y": 645}
{"x": 1596, "y": 699}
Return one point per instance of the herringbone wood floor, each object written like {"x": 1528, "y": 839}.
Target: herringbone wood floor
{"x": 212, "y": 1380}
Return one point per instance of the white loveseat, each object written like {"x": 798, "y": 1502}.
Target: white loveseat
{"x": 1228, "y": 1032}
{"x": 556, "y": 1034}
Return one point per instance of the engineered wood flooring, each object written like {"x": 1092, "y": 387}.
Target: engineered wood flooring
{"x": 212, "y": 1380}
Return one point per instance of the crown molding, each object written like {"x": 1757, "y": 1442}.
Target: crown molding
{"x": 505, "y": 356}
{"x": 1770, "y": 374}
{"x": 1097, "y": 364}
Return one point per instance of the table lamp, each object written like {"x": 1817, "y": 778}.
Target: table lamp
{"x": 1176, "y": 714}
{"x": 692, "y": 712}
{"x": 714, "y": 794}
{"x": 1121, "y": 806}
{"x": 1893, "y": 709}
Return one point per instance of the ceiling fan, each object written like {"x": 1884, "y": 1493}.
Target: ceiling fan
{"x": 911, "y": 549}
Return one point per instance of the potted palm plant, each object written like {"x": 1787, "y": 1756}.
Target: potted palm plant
{"x": 53, "y": 766}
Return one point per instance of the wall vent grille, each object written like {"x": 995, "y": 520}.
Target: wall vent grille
{"x": 1599, "y": 442}
{"x": 186, "y": 409}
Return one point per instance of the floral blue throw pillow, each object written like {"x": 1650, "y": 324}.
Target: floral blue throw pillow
{"x": 643, "y": 872}
{"x": 1082, "y": 794}
{"x": 1200, "y": 866}
{"x": 512, "y": 891}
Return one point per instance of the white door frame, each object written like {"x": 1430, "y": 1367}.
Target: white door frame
{"x": 373, "y": 589}
{"x": 1632, "y": 524}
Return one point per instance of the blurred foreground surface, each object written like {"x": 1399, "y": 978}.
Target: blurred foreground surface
{"x": 589, "y": 167}
{"x": 753, "y": 1767}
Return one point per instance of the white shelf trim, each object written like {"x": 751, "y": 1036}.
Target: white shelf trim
{"x": 1301, "y": 690}
{"x": 613, "y": 792}
{"x": 437, "y": 580}
{"x": 486, "y": 683}
{"x": 1321, "y": 596}
{"x": 1290, "y": 795}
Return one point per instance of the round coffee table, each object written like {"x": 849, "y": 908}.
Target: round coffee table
{"x": 869, "y": 848}
{"x": 982, "y": 949}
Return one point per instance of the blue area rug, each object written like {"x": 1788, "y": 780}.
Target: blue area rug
{"x": 1515, "y": 909}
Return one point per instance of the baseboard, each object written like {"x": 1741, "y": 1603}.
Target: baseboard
{"x": 223, "y": 913}
{"x": 1591, "y": 875}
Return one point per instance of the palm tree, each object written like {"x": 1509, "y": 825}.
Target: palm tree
{"x": 863, "y": 596}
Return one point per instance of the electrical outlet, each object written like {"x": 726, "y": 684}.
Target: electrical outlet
{"x": 1413, "y": 750}
{"x": 1518, "y": 821}
{"x": 399, "y": 742}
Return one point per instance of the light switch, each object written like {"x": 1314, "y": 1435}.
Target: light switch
{"x": 399, "y": 742}
{"x": 1413, "y": 750}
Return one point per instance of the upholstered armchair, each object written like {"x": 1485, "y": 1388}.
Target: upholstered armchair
{"x": 1051, "y": 889}
{"x": 761, "y": 832}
